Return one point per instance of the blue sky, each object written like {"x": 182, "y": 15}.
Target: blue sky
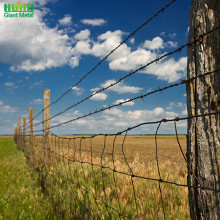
{"x": 66, "y": 39}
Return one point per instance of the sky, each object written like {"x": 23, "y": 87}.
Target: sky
{"x": 66, "y": 39}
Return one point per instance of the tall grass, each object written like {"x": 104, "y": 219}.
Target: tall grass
{"x": 82, "y": 191}
{"x": 88, "y": 190}
{"x": 21, "y": 196}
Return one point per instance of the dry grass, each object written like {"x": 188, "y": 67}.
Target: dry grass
{"x": 73, "y": 180}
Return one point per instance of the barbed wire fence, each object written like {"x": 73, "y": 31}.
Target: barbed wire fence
{"x": 91, "y": 174}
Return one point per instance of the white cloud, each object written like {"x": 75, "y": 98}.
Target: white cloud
{"x": 10, "y": 84}
{"x": 82, "y": 47}
{"x": 52, "y": 47}
{"x": 115, "y": 120}
{"x": 107, "y": 42}
{"x": 169, "y": 70}
{"x": 126, "y": 59}
{"x": 133, "y": 60}
{"x": 94, "y": 22}
{"x": 150, "y": 90}
{"x": 78, "y": 91}
{"x": 67, "y": 20}
{"x": 99, "y": 96}
{"x": 6, "y": 108}
{"x": 132, "y": 40}
{"x": 171, "y": 44}
{"x": 158, "y": 111}
{"x": 156, "y": 43}
{"x": 184, "y": 95}
{"x": 122, "y": 100}
{"x": 38, "y": 83}
{"x": 83, "y": 35}
{"x": 121, "y": 87}
{"x": 36, "y": 47}
{"x": 94, "y": 89}
{"x": 175, "y": 105}
{"x": 184, "y": 112}
{"x": 37, "y": 102}
{"x": 172, "y": 35}
{"x": 187, "y": 31}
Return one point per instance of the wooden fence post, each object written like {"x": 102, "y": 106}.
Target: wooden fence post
{"x": 24, "y": 132}
{"x": 15, "y": 135}
{"x": 203, "y": 97}
{"x": 46, "y": 127}
{"x": 20, "y": 137}
{"x": 16, "y": 139}
{"x": 31, "y": 131}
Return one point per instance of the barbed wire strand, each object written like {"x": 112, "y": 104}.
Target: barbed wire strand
{"x": 99, "y": 63}
{"x": 132, "y": 99}
{"x": 131, "y": 73}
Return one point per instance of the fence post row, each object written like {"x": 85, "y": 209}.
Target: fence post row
{"x": 31, "y": 131}
{"x": 24, "y": 132}
{"x": 20, "y": 128}
{"x": 46, "y": 127}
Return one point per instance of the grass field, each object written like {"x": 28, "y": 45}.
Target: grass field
{"x": 72, "y": 186}
{"x": 20, "y": 194}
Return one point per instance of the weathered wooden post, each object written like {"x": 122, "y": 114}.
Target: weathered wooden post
{"x": 46, "y": 127}
{"x": 15, "y": 135}
{"x": 24, "y": 132}
{"x": 203, "y": 96}
{"x": 17, "y": 132}
{"x": 20, "y": 136}
{"x": 31, "y": 131}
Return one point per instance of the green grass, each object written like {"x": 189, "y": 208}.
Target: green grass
{"x": 21, "y": 196}
{"x": 31, "y": 191}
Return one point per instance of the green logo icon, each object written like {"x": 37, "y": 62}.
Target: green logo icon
{"x": 19, "y": 10}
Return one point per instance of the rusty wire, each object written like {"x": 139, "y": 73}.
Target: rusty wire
{"x": 111, "y": 52}
{"x": 58, "y": 152}
{"x": 141, "y": 68}
{"x": 132, "y": 99}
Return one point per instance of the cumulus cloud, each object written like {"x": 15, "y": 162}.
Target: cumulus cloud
{"x": 124, "y": 58}
{"x": 168, "y": 69}
{"x": 37, "y": 47}
{"x": 171, "y": 44}
{"x": 83, "y": 35}
{"x": 156, "y": 43}
{"x": 82, "y": 47}
{"x": 94, "y": 22}
{"x": 10, "y": 85}
{"x": 122, "y": 100}
{"x": 67, "y": 20}
{"x": 77, "y": 91}
{"x": 6, "y": 108}
{"x": 121, "y": 87}
{"x": 116, "y": 120}
{"x": 132, "y": 40}
{"x": 37, "y": 102}
{"x": 185, "y": 112}
{"x": 172, "y": 35}
{"x": 99, "y": 96}
{"x": 132, "y": 60}
{"x": 40, "y": 47}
